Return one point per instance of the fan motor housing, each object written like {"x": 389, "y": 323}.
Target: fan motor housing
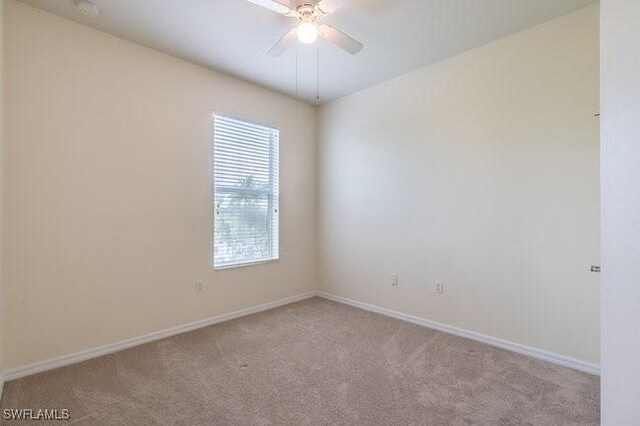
{"x": 306, "y": 12}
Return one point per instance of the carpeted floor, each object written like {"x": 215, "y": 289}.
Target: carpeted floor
{"x": 315, "y": 362}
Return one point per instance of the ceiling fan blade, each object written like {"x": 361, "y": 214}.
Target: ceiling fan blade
{"x": 341, "y": 39}
{"x": 330, "y": 6}
{"x": 280, "y": 6}
{"x": 285, "y": 42}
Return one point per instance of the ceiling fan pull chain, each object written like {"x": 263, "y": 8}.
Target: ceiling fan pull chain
{"x": 317, "y": 73}
{"x": 297, "y": 94}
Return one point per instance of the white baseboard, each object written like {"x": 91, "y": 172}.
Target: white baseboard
{"x": 554, "y": 358}
{"x": 74, "y": 358}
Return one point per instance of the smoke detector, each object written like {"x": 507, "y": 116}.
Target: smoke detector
{"x": 87, "y": 8}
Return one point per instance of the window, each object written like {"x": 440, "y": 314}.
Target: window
{"x": 245, "y": 180}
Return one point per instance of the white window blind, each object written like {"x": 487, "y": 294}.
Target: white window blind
{"x": 245, "y": 158}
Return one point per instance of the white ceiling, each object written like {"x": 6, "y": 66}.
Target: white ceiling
{"x": 233, "y": 36}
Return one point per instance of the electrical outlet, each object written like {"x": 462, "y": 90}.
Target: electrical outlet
{"x": 394, "y": 281}
{"x": 199, "y": 287}
{"x": 439, "y": 287}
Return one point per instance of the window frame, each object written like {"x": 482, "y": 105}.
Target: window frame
{"x": 272, "y": 194}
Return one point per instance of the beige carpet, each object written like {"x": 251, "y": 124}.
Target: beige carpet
{"x": 313, "y": 363}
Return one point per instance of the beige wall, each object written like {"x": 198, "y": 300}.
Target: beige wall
{"x": 108, "y": 219}
{"x": 481, "y": 171}
{"x": 621, "y": 213}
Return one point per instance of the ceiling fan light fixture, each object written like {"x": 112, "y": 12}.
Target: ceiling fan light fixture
{"x": 309, "y": 14}
{"x": 307, "y": 32}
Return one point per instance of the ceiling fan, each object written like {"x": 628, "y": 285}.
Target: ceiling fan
{"x": 308, "y": 12}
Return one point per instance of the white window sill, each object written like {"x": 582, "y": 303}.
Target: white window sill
{"x": 245, "y": 264}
